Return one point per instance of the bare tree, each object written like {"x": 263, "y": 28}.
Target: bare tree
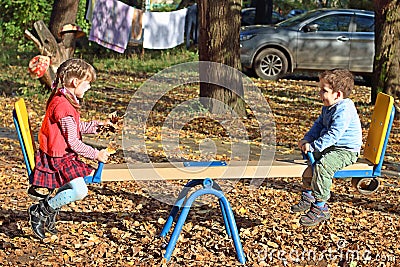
{"x": 219, "y": 42}
{"x": 387, "y": 50}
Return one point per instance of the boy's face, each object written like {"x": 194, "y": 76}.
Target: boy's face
{"x": 327, "y": 95}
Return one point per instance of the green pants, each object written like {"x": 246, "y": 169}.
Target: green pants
{"x": 327, "y": 163}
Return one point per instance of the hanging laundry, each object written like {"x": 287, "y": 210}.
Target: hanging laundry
{"x": 191, "y": 24}
{"x": 163, "y": 30}
{"x": 111, "y": 24}
{"x": 89, "y": 9}
{"x": 137, "y": 30}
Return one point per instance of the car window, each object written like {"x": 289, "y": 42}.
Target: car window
{"x": 293, "y": 21}
{"x": 365, "y": 24}
{"x": 248, "y": 17}
{"x": 333, "y": 23}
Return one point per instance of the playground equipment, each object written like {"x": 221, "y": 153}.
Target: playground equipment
{"x": 364, "y": 174}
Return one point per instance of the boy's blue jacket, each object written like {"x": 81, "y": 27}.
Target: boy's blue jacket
{"x": 337, "y": 125}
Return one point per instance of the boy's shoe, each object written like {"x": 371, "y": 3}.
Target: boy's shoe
{"x": 304, "y": 203}
{"x": 315, "y": 215}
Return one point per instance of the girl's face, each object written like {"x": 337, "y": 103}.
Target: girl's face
{"x": 81, "y": 88}
{"x": 327, "y": 95}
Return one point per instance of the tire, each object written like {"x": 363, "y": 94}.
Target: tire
{"x": 366, "y": 186}
{"x": 270, "y": 64}
{"x": 367, "y": 79}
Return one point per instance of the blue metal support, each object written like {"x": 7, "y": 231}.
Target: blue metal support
{"x": 96, "y": 178}
{"x": 22, "y": 144}
{"x": 227, "y": 228}
{"x": 378, "y": 167}
{"x": 177, "y": 206}
{"x": 209, "y": 187}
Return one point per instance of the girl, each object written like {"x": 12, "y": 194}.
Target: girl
{"x": 57, "y": 160}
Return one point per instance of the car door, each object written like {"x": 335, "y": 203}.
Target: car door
{"x": 324, "y": 43}
{"x": 362, "y": 48}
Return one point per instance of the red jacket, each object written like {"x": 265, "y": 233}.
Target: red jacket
{"x": 51, "y": 140}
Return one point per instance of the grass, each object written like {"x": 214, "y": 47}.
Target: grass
{"x": 150, "y": 62}
{"x": 133, "y": 65}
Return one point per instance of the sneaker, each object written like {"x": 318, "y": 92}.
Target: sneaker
{"x": 304, "y": 203}
{"x": 315, "y": 215}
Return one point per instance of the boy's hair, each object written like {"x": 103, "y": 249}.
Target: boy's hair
{"x": 69, "y": 69}
{"x": 339, "y": 80}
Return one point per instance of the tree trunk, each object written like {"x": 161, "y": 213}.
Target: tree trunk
{"x": 386, "y": 76}
{"x": 219, "y": 42}
{"x": 50, "y": 43}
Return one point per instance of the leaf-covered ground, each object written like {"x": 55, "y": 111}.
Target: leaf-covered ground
{"x": 118, "y": 223}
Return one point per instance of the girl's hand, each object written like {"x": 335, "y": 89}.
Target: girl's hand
{"x": 103, "y": 156}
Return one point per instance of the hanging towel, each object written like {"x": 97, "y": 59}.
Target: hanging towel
{"x": 163, "y": 30}
{"x": 137, "y": 25}
{"x": 89, "y": 9}
{"x": 111, "y": 24}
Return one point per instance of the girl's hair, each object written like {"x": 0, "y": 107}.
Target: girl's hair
{"x": 339, "y": 80}
{"x": 69, "y": 69}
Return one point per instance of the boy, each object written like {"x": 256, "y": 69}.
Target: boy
{"x": 335, "y": 140}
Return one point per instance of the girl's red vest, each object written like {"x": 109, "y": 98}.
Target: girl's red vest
{"x": 51, "y": 140}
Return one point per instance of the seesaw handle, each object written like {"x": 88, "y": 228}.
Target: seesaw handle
{"x": 311, "y": 157}
{"x": 97, "y": 173}
{"x": 96, "y": 178}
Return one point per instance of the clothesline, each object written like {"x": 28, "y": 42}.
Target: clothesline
{"x": 115, "y": 24}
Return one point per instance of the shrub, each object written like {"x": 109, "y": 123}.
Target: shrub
{"x": 17, "y": 16}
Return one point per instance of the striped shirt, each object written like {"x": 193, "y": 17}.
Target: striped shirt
{"x": 68, "y": 130}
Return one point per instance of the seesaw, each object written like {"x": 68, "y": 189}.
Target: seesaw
{"x": 364, "y": 174}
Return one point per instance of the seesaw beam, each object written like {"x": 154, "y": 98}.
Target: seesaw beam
{"x": 235, "y": 170}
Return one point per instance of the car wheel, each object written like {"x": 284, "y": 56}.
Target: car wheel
{"x": 367, "y": 79}
{"x": 270, "y": 64}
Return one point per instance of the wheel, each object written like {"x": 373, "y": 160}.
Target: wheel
{"x": 366, "y": 186}
{"x": 367, "y": 79}
{"x": 270, "y": 64}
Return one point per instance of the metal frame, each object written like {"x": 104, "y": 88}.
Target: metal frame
{"x": 210, "y": 188}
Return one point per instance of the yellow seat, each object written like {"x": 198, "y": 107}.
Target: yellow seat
{"x": 379, "y": 130}
{"x": 364, "y": 174}
{"x": 21, "y": 121}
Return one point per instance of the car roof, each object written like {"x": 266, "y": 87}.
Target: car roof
{"x": 360, "y": 11}
{"x": 310, "y": 15}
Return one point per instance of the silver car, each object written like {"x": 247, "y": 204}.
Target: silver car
{"x": 317, "y": 40}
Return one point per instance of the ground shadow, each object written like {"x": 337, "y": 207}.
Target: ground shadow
{"x": 356, "y": 200}
{"x": 309, "y": 76}
{"x": 151, "y": 212}
{"x": 9, "y": 88}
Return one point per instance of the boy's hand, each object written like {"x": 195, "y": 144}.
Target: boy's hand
{"x": 306, "y": 148}
{"x": 103, "y": 156}
{"x": 301, "y": 143}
